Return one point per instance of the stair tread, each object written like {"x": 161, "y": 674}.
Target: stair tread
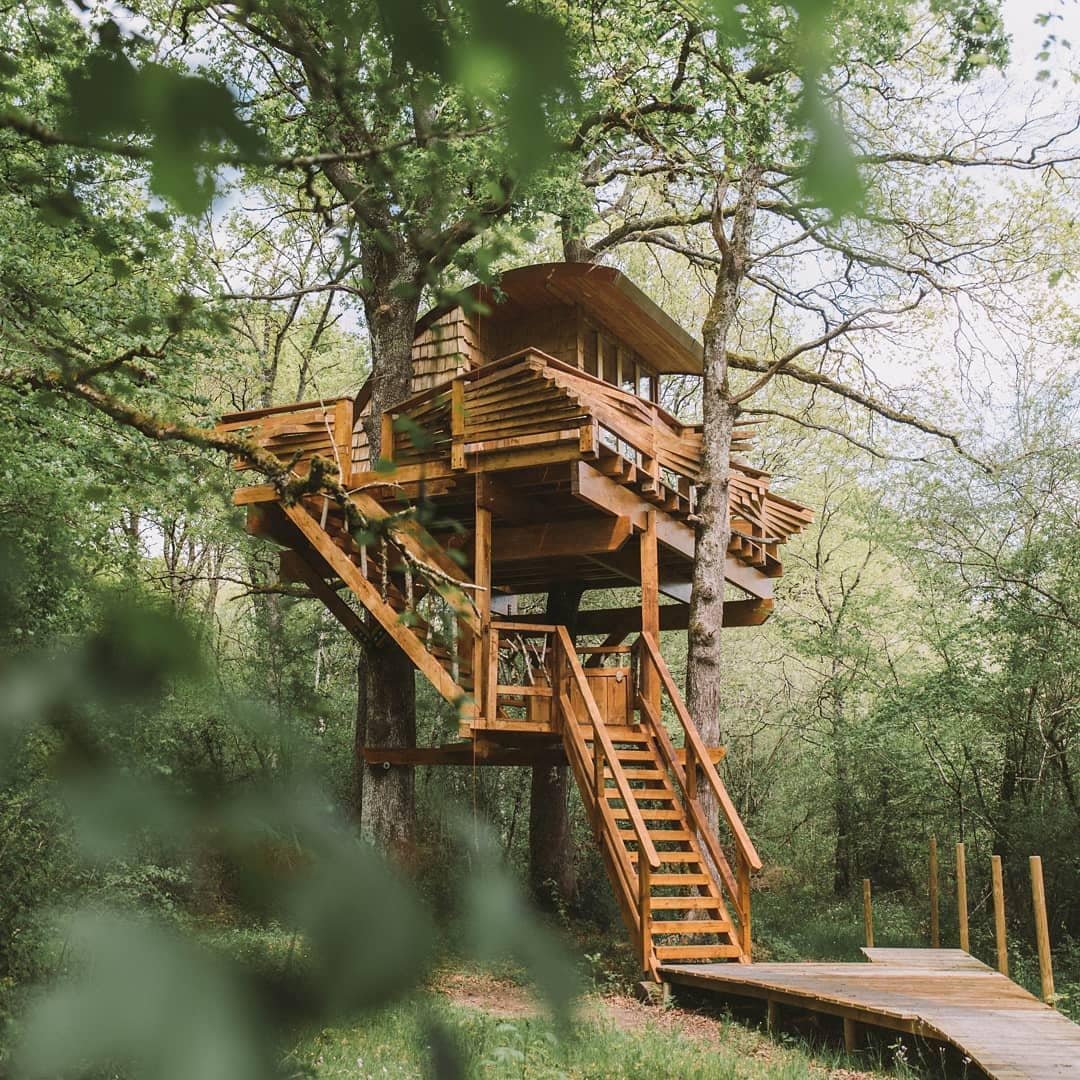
{"x": 691, "y": 926}
{"x": 685, "y": 903}
{"x": 649, "y": 815}
{"x": 657, "y": 835}
{"x": 671, "y": 856}
{"x": 697, "y": 952}
{"x": 679, "y": 880}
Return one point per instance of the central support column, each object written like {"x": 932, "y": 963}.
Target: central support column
{"x": 650, "y": 608}
{"x": 483, "y": 684}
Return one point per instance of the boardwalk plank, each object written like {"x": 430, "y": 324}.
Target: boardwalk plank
{"x": 941, "y": 994}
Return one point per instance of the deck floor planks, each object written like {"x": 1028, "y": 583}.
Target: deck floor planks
{"x": 941, "y": 994}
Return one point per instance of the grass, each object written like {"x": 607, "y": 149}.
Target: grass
{"x": 407, "y": 1040}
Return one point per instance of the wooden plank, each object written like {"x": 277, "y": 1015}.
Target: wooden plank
{"x": 650, "y": 607}
{"x": 591, "y": 486}
{"x": 369, "y": 596}
{"x": 560, "y": 539}
{"x": 940, "y": 994}
{"x": 467, "y": 753}
{"x": 297, "y": 568}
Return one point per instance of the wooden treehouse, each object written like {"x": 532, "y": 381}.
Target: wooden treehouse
{"x": 535, "y": 445}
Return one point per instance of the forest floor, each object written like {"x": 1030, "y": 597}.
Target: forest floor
{"x": 492, "y": 1027}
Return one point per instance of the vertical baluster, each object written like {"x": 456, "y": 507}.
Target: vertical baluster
{"x": 645, "y": 907}
{"x": 742, "y": 901}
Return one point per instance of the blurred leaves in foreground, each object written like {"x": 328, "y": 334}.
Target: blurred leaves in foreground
{"x": 150, "y": 996}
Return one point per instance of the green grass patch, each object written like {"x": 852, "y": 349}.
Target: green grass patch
{"x": 406, "y": 1041}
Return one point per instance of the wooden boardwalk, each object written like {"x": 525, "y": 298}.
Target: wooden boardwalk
{"x": 944, "y": 995}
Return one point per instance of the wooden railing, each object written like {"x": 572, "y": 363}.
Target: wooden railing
{"x": 654, "y": 676}
{"x": 592, "y": 769}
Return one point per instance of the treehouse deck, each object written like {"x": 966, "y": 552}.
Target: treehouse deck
{"x": 509, "y": 477}
{"x": 944, "y": 996}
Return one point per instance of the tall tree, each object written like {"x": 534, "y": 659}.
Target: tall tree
{"x": 823, "y": 193}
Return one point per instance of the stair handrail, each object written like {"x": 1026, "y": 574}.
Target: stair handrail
{"x": 646, "y": 847}
{"x": 694, "y": 741}
{"x": 701, "y": 825}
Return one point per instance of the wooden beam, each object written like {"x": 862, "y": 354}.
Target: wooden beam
{"x": 497, "y": 495}
{"x": 483, "y": 752}
{"x": 672, "y": 617}
{"x": 369, "y": 596}
{"x": 591, "y": 486}
{"x": 294, "y": 567}
{"x": 650, "y": 607}
{"x": 552, "y": 541}
{"x": 481, "y": 658}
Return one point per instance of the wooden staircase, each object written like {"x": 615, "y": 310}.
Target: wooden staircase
{"x": 678, "y": 894}
{"x": 665, "y": 862}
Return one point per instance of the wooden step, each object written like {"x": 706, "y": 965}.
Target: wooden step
{"x": 639, "y": 774}
{"x": 656, "y": 835}
{"x": 691, "y": 927}
{"x": 697, "y": 952}
{"x": 684, "y": 903}
{"x": 622, "y": 814}
{"x": 679, "y": 881}
{"x": 671, "y": 856}
{"x": 617, "y": 734}
{"x": 634, "y": 755}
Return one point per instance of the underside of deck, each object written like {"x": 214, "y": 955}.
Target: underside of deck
{"x": 942, "y": 995}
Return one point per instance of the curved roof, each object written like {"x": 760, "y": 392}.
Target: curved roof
{"x": 607, "y": 295}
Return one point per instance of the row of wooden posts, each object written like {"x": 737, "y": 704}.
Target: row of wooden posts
{"x": 1038, "y": 902}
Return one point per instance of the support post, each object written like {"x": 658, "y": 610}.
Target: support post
{"x": 343, "y": 432}
{"x": 962, "y": 897}
{"x": 772, "y": 1016}
{"x": 650, "y": 610}
{"x": 482, "y": 576}
{"x": 386, "y": 438}
{"x": 868, "y": 913}
{"x": 999, "y": 914}
{"x": 852, "y": 1035}
{"x": 935, "y": 911}
{"x": 742, "y": 885}
{"x": 1042, "y": 929}
{"x": 457, "y": 424}
{"x": 645, "y": 908}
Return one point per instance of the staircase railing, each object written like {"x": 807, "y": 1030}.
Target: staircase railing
{"x": 591, "y": 769}
{"x": 653, "y": 675}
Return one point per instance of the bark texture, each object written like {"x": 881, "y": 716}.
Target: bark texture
{"x": 552, "y": 871}
{"x": 705, "y": 671}
{"x": 386, "y": 683}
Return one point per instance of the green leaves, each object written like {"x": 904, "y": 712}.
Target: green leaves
{"x": 148, "y": 997}
{"x": 182, "y": 116}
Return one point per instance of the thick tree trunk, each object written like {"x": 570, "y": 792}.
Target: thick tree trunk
{"x": 552, "y": 873}
{"x": 388, "y": 812}
{"x": 386, "y": 697}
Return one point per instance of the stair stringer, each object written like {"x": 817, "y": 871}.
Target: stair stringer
{"x": 368, "y": 595}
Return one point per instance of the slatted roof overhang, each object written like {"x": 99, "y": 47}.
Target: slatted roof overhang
{"x": 605, "y": 294}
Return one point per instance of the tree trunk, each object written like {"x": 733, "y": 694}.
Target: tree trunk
{"x": 704, "y": 670}
{"x": 386, "y": 694}
{"x": 388, "y": 811}
{"x": 552, "y": 873}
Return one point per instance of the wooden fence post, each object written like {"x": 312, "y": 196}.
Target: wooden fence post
{"x": 999, "y": 914}
{"x": 961, "y": 898}
{"x": 1042, "y": 929}
{"x": 935, "y": 913}
{"x": 868, "y": 913}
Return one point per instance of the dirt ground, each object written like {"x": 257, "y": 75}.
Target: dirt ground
{"x": 507, "y": 1000}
